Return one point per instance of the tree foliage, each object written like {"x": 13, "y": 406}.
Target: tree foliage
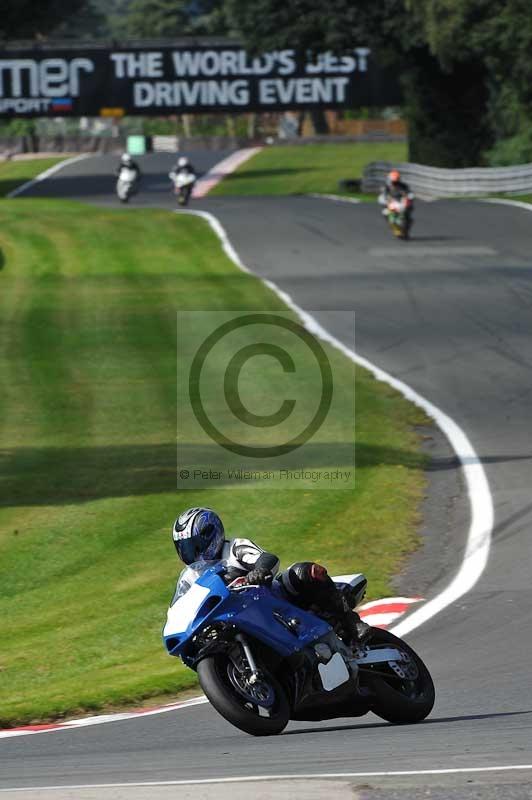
{"x": 309, "y": 25}
{"x": 498, "y": 35}
{"x": 445, "y": 100}
{"x": 27, "y": 19}
{"x": 172, "y": 18}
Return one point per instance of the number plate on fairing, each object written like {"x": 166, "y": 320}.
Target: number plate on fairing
{"x": 334, "y": 673}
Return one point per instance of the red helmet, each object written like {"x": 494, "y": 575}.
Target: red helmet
{"x": 394, "y": 176}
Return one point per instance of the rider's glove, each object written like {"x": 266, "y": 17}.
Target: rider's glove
{"x": 259, "y": 577}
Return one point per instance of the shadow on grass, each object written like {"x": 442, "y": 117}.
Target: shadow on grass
{"x": 56, "y": 475}
{"x": 8, "y": 184}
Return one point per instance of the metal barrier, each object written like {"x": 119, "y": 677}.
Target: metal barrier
{"x": 165, "y": 144}
{"x": 438, "y": 182}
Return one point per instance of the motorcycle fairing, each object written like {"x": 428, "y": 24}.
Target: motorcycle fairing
{"x": 184, "y": 609}
{"x": 356, "y": 583}
{"x": 267, "y": 620}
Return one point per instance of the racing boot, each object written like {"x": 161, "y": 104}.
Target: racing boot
{"x": 356, "y": 630}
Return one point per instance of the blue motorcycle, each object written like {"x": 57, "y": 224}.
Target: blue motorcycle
{"x": 262, "y": 661}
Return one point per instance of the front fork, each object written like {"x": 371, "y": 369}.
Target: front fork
{"x": 241, "y": 639}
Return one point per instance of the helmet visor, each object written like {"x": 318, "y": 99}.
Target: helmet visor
{"x": 190, "y": 550}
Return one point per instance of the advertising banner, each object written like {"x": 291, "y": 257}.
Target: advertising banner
{"x": 186, "y": 79}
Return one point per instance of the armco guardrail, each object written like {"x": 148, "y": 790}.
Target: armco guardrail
{"x": 165, "y": 144}
{"x": 438, "y": 182}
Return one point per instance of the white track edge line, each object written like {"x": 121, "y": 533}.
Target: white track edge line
{"x": 502, "y": 201}
{"x": 481, "y": 504}
{"x": 263, "y": 778}
{"x": 46, "y": 174}
{"x": 338, "y": 197}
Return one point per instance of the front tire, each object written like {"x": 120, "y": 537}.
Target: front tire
{"x": 402, "y": 700}
{"x": 264, "y": 715}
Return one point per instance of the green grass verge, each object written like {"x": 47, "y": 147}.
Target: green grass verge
{"x": 300, "y": 169}
{"x": 15, "y": 173}
{"x": 88, "y": 301}
{"x": 523, "y": 198}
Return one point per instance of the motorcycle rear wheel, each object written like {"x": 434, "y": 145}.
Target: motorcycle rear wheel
{"x": 402, "y": 701}
{"x": 265, "y": 715}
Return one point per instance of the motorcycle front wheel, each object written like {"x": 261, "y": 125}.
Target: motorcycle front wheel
{"x": 401, "y": 699}
{"x": 396, "y": 229}
{"x": 260, "y": 708}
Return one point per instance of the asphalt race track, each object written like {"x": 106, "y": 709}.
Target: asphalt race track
{"x": 94, "y": 180}
{"x": 450, "y": 313}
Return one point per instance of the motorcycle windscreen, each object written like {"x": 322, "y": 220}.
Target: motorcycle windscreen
{"x": 189, "y": 575}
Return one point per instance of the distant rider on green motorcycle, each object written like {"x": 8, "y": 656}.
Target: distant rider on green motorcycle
{"x": 395, "y": 189}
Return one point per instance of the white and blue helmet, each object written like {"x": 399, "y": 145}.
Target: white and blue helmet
{"x": 198, "y": 535}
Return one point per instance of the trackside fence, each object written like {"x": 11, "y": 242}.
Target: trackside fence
{"x": 165, "y": 144}
{"x": 439, "y": 182}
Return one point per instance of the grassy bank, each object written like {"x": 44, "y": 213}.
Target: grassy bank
{"x": 15, "y": 173}
{"x": 300, "y": 169}
{"x": 523, "y": 198}
{"x": 88, "y": 302}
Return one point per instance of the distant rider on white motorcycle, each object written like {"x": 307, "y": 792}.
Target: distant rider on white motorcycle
{"x": 127, "y": 163}
{"x": 183, "y": 176}
{"x": 128, "y": 176}
{"x": 183, "y": 167}
{"x": 199, "y": 535}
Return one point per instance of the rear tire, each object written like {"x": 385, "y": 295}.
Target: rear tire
{"x": 402, "y": 701}
{"x": 234, "y": 706}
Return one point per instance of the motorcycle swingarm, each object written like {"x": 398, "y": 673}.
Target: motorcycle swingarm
{"x": 379, "y": 655}
{"x": 399, "y": 661}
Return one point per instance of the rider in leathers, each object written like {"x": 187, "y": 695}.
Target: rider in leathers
{"x": 183, "y": 165}
{"x": 199, "y": 535}
{"x": 395, "y": 189}
{"x": 126, "y": 162}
